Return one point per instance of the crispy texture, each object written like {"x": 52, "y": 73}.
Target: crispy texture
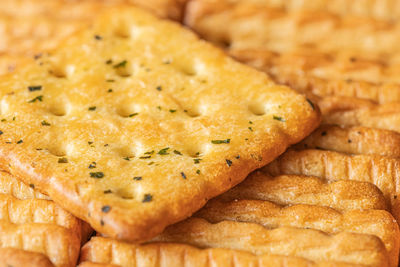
{"x": 328, "y": 74}
{"x": 294, "y": 189}
{"x": 54, "y": 241}
{"x": 19, "y": 258}
{"x": 308, "y": 243}
{"x": 354, "y": 140}
{"x": 11, "y": 186}
{"x": 380, "y": 9}
{"x": 357, "y": 112}
{"x": 248, "y": 25}
{"x": 195, "y": 97}
{"x": 109, "y": 251}
{"x": 375, "y": 222}
{"x": 379, "y": 170}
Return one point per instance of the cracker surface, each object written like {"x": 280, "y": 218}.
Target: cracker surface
{"x": 131, "y": 133}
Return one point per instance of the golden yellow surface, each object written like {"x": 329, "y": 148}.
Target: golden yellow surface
{"x": 125, "y": 100}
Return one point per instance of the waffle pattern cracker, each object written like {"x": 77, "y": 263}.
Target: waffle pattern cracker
{"x": 122, "y": 128}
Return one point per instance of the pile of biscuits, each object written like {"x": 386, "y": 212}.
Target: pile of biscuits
{"x": 199, "y": 133}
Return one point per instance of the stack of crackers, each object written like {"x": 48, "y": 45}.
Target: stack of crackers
{"x": 199, "y": 133}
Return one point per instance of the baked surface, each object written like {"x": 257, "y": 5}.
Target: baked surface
{"x": 108, "y": 107}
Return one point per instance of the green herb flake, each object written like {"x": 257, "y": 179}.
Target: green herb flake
{"x": 149, "y": 152}
{"x": 108, "y": 191}
{"x": 105, "y": 208}
{"x": 108, "y": 62}
{"x": 147, "y": 198}
{"x": 311, "y": 103}
{"x": 228, "y": 162}
{"x": 62, "y": 160}
{"x": 183, "y": 175}
{"x": 163, "y": 151}
{"x": 198, "y": 171}
{"x": 226, "y": 141}
{"x": 38, "y": 98}
{"x": 158, "y": 107}
{"x": 151, "y": 163}
{"x": 177, "y": 152}
{"x": 98, "y": 37}
{"x": 250, "y": 122}
{"x": 279, "y": 118}
{"x": 90, "y": 142}
{"x": 110, "y": 80}
{"x": 122, "y": 64}
{"x": 137, "y": 178}
{"x": 110, "y": 90}
{"x": 1, "y": 132}
{"x": 237, "y": 157}
{"x": 144, "y": 157}
{"x": 196, "y": 161}
{"x": 159, "y": 88}
{"x": 32, "y": 186}
{"x": 92, "y": 165}
{"x": 250, "y": 128}
{"x": 34, "y": 88}
{"x": 3, "y": 120}
{"x": 97, "y": 175}
{"x": 133, "y": 115}
{"x": 172, "y": 110}
{"x": 45, "y": 123}
{"x": 92, "y": 108}
{"x": 127, "y": 158}
{"x": 20, "y": 142}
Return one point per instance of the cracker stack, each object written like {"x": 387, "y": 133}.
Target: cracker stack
{"x": 132, "y": 124}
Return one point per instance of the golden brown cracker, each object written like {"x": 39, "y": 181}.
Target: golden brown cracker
{"x": 122, "y": 138}
{"x": 294, "y": 189}
{"x": 19, "y": 257}
{"x": 374, "y": 222}
{"x": 308, "y": 243}
{"x": 108, "y": 251}
{"x": 353, "y": 140}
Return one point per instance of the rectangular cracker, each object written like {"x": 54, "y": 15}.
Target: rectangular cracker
{"x": 328, "y": 75}
{"x": 353, "y": 140}
{"x": 54, "y": 241}
{"x": 294, "y": 189}
{"x": 378, "y": 170}
{"x": 248, "y": 25}
{"x": 100, "y": 251}
{"x": 356, "y": 112}
{"x": 374, "y": 222}
{"x": 19, "y": 257}
{"x": 174, "y": 130}
{"x": 308, "y": 243}
{"x": 379, "y": 9}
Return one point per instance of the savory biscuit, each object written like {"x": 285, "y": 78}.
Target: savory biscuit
{"x": 126, "y": 128}
{"x": 379, "y": 170}
{"x": 294, "y": 189}
{"x": 324, "y": 74}
{"x": 100, "y": 251}
{"x": 19, "y": 257}
{"x": 353, "y": 140}
{"x": 270, "y": 215}
{"x": 252, "y": 26}
{"x": 287, "y": 241}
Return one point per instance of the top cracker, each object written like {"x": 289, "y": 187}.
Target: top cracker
{"x": 134, "y": 124}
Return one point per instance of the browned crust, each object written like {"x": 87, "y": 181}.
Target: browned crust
{"x": 374, "y": 222}
{"x": 378, "y": 170}
{"x": 20, "y": 258}
{"x": 295, "y": 189}
{"x": 104, "y": 251}
{"x": 353, "y": 140}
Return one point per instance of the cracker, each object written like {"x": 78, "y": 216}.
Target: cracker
{"x": 356, "y": 112}
{"x": 353, "y": 140}
{"x": 308, "y": 243}
{"x": 19, "y": 257}
{"x": 56, "y": 242}
{"x": 294, "y": 189}
{"x": 374, "y": 222}
{"x": 385, "y": 10}
{"x": 379, "y": 170}
{"x": 173, "y": 131}
{"x": 248, "y": 25}
{"x": 326, "y": 74}
{"x": 108, "y": 251}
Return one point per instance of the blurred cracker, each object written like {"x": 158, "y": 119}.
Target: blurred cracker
{"x": 19, "y": 257}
